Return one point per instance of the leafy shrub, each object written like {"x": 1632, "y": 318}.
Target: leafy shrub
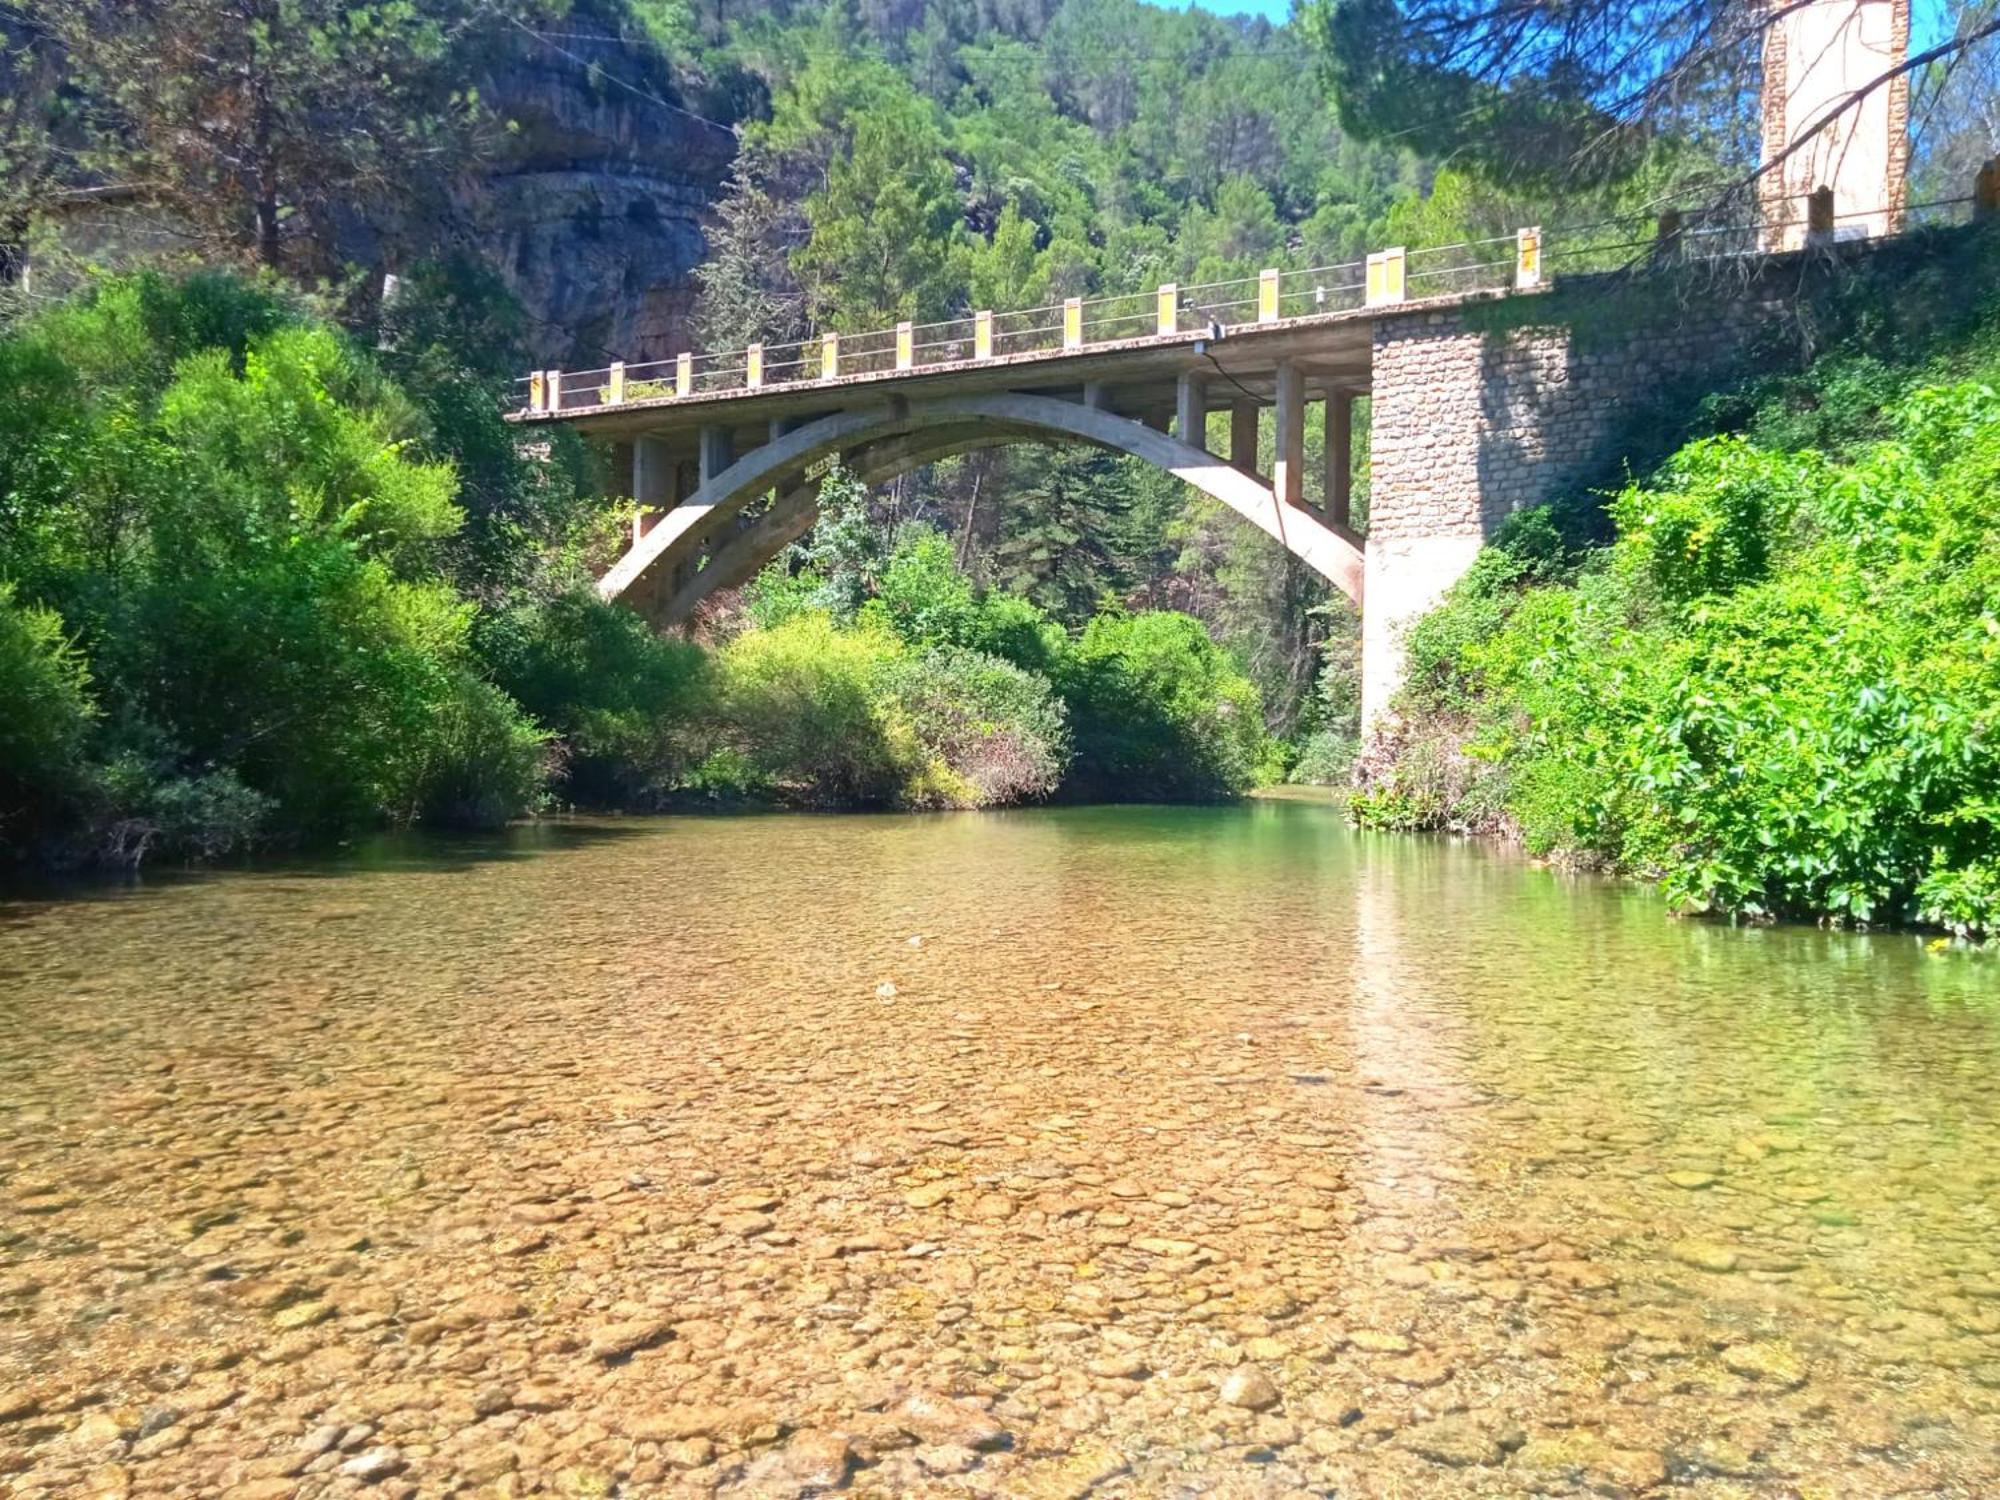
{"x": 802, "y": 703}
{"x": 45, "y": 712}
{"x": 1326, "y": 758}
{"x": 1158, "y": 711}
{"x": 488, "y": 761}
{"x": 144, "y": 814}
{"x": 626, "y": 703}
{"x": 922, "y": 596}
{"x": 998, "y": 730}
{"x": 1016, "y": 630}
{"x": 228, "y": 510}
{"x": 1776, "y": 692}
{"x": 1709, "y": 521}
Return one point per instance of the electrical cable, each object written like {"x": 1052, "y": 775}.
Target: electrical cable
{"x": 608, "y": 76}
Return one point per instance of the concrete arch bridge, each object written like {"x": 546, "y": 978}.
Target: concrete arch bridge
{"x": 1473, "y": 415}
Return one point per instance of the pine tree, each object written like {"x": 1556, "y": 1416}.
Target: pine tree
{"x": 748, "y": 291}
{"x": 265, "y": 128}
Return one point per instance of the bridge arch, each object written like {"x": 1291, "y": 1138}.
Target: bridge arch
{"x": 741, "y": 555}
{"x": 970, "y": 421}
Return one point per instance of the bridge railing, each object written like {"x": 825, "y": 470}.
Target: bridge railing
{"x": 1521, "y": 260}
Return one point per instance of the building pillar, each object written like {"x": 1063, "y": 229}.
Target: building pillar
{"x": 718, "y": 452}
{"x": 652, "y": 484}
{"x": 1288, "y": 465}
{"x": 1826, "y": 124}
{"x": 1191, "y": 410}
{"x": 1243, "y": 436}
{"x": 1339, "y": 492}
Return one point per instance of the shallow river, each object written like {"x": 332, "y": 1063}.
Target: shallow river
{"x": 1120, "y": 1152}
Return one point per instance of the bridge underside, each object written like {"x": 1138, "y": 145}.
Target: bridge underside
{"x": 723, "y": 485}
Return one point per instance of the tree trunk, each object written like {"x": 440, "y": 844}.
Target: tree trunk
{"x": 267, "y": 192}
{"x": 264, "y": 167}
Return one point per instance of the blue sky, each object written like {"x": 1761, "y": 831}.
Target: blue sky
{"x": 1275, "y": 11}
{"x": 1929, "y": 19}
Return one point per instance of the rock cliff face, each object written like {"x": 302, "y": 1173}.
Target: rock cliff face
{"x": 594, "y": 209}
{"x": 592, "y": 205}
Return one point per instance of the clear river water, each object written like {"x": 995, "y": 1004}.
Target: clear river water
{"x": 1121, "y": 1152}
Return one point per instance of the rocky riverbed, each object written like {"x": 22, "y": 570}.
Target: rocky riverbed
{"x": 1056, "y": 1155}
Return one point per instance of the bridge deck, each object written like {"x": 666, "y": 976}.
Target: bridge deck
{"x": 1137, "y": 376}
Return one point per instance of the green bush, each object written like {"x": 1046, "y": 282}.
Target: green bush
{"x": 803, "y": 704}
{"x": 999, "y": 731}
{"x": 626, "y": 703}
{"x": 45, "y": 714}
{"x": 229, "y": 511}
{"x": 1325, "y": 758}
{"x": 1016, "y": 630}
{"x": 1158, "y": 712}
{"x": 922, "y": 596}
{"x": 1777, "y": 691}
{"x": 488, "y": 761}
{"x": 144, "y": 813}
{"x": 1709, "y": 521}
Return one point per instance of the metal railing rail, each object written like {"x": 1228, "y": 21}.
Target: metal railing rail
{"x": 1523, "y": 260}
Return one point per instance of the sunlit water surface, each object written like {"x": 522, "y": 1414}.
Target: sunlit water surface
{"x": 1125, "y": 1152}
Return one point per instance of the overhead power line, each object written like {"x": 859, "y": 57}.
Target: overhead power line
{"x": 546, "y": 39}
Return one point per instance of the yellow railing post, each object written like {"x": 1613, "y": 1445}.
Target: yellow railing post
{"x": 1167, "y": 317}
{"x": 982, "y": 335}
{"x": 753, "y": 366}
{"x": 1073, "y": 323}
{"x": 616, "y": 395}
{"x": 1986, "y": 189}
{"x": 1528, "y": 257}
{"x": 906, "y": 346}
{"x": 683, "y": 374}
{"x": 1385, "y": 277}
{"x": 829, "y": 355}
{"x": 1267, "y": 295}
{"x": 538, "y": 391}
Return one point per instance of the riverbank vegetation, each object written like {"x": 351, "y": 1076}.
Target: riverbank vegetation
{"x": 1767, "y": 673}
{"x": 261, "y": 584}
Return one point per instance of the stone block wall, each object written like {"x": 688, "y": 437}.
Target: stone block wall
{"x": 1472, "y": 424}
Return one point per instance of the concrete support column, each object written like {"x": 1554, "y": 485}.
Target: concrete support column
{"x": 1243, "y": 436}
{"x": 1288, "y": 466}
{"x": 1405, "y": 578}
{"x": 718, "y": 452}
{"x": 1340, "y": 457}
{"x": 652, "y": 484}
{"x": 1191, "y": 410}
{"x": 1096, "y": 396}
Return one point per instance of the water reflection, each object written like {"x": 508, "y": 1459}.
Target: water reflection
{"x": 1197, "y": 1151}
